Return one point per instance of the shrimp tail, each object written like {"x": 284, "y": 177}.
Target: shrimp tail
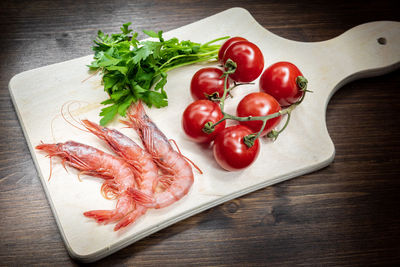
{"x": 124, "y": 206}
{"x": 141, "y": 198}
{"x": 101, "y": 216}
{"x": 130, "y": 218}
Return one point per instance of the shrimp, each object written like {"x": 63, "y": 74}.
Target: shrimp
{"x": 179, "y": 175}
{"x": 118, "y": 174}
{"x": 132, "y": 153}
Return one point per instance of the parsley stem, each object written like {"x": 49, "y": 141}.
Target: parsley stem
{"x": 215, "y": 40}
{"x": 190, "y": 62}
{"x": 190, "y": 55}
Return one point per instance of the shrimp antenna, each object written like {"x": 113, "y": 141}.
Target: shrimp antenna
{"x": 51, "y": 169}
{"x": 69, "y": 103}
{"x": 68, "y": 110}
{"x": 186, "y": 158}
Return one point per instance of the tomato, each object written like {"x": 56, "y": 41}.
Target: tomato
{"x": 259, "y": 104}
{"x": 279, "y": 80}
{"x": 248, "y": 58}
{"x": 225, "y": 45}
{"x": 196, "y": 115}
{"x": 207, "y": 81}
{"x": 231, "y": 152}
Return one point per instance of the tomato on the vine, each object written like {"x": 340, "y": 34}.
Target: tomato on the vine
{"x": 206, "y": 82}
{"x": 259, "y": 104}
{"x": 225, "y": 46}
{"x": 281, "y": 81}
{"x": 231, "y": 152}
{"x": 248, "y": 58}
{"x": 196, "y": 115}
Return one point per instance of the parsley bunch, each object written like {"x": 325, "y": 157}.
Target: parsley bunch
{"x": 133, "y": 70}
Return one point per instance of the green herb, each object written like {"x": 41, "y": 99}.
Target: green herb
{"x": 133, "y": 70}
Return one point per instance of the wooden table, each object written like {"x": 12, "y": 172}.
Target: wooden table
{"x": 344, "y": 214}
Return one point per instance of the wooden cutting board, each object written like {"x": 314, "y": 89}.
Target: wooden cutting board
{"x": 305, "y": 146}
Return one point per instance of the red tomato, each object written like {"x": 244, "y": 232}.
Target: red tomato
{"x": 259, "y": 104}
{"x": 248, "y": 58}
{"x": 196, "y": 115}
{"x": 231, "y": 152}
{"x": 225, "y": 45}
{"x": 207, "y": 81}
{"x": 279, "y": 80}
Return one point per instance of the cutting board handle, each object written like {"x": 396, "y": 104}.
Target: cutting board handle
{"x": 367, "y": 50}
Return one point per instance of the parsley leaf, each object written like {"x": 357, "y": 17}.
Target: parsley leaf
{"x": 134, "y": 70}
{"x": 151, "y": 33}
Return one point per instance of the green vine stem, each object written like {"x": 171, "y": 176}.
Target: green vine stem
{"x": 274, "y": 133}
{"x": 250, "y": 139}
{"x": 222, "y": 100}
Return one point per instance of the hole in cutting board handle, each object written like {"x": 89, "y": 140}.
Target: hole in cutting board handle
{"x": 381, "y": 40}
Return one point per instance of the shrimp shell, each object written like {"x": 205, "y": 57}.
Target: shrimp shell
{"x": 178, "y": 173}
{"x": 140, "y": 160}
{"x": 119, "y": 175}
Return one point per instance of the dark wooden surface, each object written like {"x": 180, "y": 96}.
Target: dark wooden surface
{"x": 344, "y": 214}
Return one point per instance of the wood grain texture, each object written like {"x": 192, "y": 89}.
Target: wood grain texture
{"x": 345, "y": 214}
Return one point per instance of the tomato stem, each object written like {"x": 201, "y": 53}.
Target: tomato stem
{"x": 254, "y": 118}
{"x": 302, "y": 83}
{"x": 274, "y": 134}
{"x": 209, "y": 127}
{"x": 215, "y": 97}
{"x": 251, "y": 138}
{"x": 222, "y": 101}
{"x": 212, "y": 125}
{"x": 230, "y": 66}
{"x": 236, "y": 84}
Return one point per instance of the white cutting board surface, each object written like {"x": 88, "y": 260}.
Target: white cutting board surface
{"x": 304, "y": 146}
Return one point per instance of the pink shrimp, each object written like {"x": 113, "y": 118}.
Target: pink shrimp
{"x": 142, "y": 162}
{"x": 178, "y": 170}
{"x": 118, "y": 174}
